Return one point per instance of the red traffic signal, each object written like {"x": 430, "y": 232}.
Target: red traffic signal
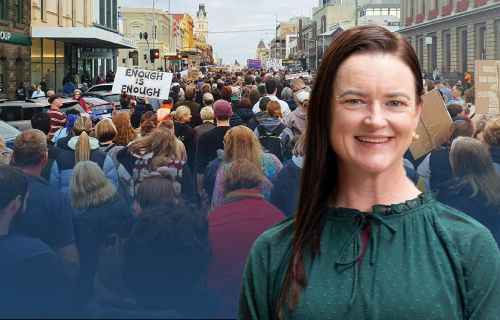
{"x": 154, "y": 54}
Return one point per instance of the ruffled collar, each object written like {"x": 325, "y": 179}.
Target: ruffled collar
{"x": 385, "y": 210}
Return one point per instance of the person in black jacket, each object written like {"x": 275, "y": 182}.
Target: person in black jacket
{"x": 32, "y": 283}
{"x": 185, "y": 133}
{"x": 475, "y": 188}
{"x": 101, "y": 212}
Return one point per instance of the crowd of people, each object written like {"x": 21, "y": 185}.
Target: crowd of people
{"x": 153, "y": 212}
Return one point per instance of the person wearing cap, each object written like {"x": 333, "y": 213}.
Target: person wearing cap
{"x": 194, "y": 107}
{"x": 57, "y": 117}
{"x": 213, "y": 140}
{"x": 296, "y": 120}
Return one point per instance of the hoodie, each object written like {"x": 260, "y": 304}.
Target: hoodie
{"x": 296, "y": 121}
{"x": 62, "y": 168}
{"x": 245, "y": 114}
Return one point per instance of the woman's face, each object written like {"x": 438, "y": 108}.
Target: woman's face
{"x": 374, "y": 112}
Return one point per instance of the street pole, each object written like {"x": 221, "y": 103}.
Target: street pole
{"x": 154, "y": 31}
{"x": 317, "y": 55}
{"x": 356, "y": 12}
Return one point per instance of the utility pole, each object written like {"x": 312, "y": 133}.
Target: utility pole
{"x": 154, "y": 32}
{"x": 276, "y": 37}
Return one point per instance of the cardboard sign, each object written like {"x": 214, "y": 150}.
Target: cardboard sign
{"x": 254, "y": 63}
{"x": 487, "y": 81}
{"x": 434, "y": 125}
{"x": 194, "y": 67}
{"x": 143, "y": 83}
{"x": 296, "y": 75}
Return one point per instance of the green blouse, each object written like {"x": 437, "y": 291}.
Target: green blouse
{"x": 423, "y": 260}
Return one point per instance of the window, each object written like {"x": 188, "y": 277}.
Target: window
{"x": 43, "y": 10}
{"x": 3, "y": 8}
{"x": 436, "y": 4}
{"x": 19, "y": 11}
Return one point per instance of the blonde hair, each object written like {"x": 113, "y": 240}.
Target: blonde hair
{"x": 105, "y": 130}
{"x": 207, "y": 113}
{"x": 491, "y": 133}
{"x": 241, "y": 143}
{"x": 124, "y": 131}
{"x": 161, "y": 142}
{"x": 273, "y": 109}
{"x": 89, "y": 186}
{"x": 82, "y": 128}
{"x": 2, "y": 143}
{"x": 181, "y": 112}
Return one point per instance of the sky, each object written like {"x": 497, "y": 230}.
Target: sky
{"x": 235, "y": 15}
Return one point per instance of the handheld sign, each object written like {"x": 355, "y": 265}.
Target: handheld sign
{"x": 145, "y": 83}
{"x": 434, "y": 125}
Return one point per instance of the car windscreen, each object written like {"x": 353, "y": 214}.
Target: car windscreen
{"x": 8, "y": 132}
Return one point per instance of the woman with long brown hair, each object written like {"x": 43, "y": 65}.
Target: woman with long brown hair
{"x": 124, "y": 131}
{"x": 365, "y": 243}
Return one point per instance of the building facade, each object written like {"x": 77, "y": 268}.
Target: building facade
{"x": 15, "y": 44}
{"x": 262, "y": 51}
{"x": 137, "y": 22}
{"x": 74, "y": 38}
{"x": 201, "y": 24}
{"x": 451, "y": 35}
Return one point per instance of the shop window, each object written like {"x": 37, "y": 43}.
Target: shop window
{"x": 19, "y": 71}
{"x": 3, "y": 9}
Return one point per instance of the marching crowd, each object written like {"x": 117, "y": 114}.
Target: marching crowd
{"x": 152, "y": 213}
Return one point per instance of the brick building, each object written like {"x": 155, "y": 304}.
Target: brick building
{"x": 452, "y": 34}
{"x": 15, "y": 46}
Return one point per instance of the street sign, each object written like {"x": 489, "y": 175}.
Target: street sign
{"x": 144, "y": 83}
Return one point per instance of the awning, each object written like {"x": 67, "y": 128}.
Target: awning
{"x": 87, "y": 37}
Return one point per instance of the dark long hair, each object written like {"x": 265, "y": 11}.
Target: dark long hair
{"x": 319, "y": 174}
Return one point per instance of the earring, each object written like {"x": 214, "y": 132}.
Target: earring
{"x": 414, "y": 136}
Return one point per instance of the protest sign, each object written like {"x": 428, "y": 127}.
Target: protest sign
{"x": 145, "y": 83}
{"x": 254, "y": 64}
{"x": 487, "y": 81}
{"x": 296, "y": 75}
{"x": 434, "y": 125}
{"x": 194, "y": 67}
{"x": 273, "y": 63}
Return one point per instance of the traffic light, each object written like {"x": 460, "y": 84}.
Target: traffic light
{"x": 179, "y": 56}
{"x": 145, "y": 35}
{"x": 154, "y": 54}
{"x": 130, "y": 54}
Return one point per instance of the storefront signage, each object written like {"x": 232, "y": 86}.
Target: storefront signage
{"x": 144, "y": 83}
{"x": 96, "y": 55}
{"x": 15, "y": 38}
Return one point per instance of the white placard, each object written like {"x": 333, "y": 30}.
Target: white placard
{"x": 143, "y": 83}
{"x": 296, "y": 75}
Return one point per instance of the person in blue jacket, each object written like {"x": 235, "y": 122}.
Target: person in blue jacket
{"x": 81, "y": 147}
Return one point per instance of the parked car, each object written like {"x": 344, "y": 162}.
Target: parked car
{"x": 19, "y": 113}
{"x": 100, "y": 87}
{"x": 8, "y": 133}
{"x": 104, "y": 95}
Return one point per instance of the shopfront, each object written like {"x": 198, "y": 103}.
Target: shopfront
{"x": 14, "y": 62}
{"x": 76, "y": 52}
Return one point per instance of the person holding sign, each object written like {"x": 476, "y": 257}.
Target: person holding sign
{"x": 365, "y": 243}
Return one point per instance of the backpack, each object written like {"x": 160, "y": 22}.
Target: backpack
{"x": 271, "y": 142}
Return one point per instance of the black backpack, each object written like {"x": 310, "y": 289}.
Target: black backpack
{"x": 271, "y": 142}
